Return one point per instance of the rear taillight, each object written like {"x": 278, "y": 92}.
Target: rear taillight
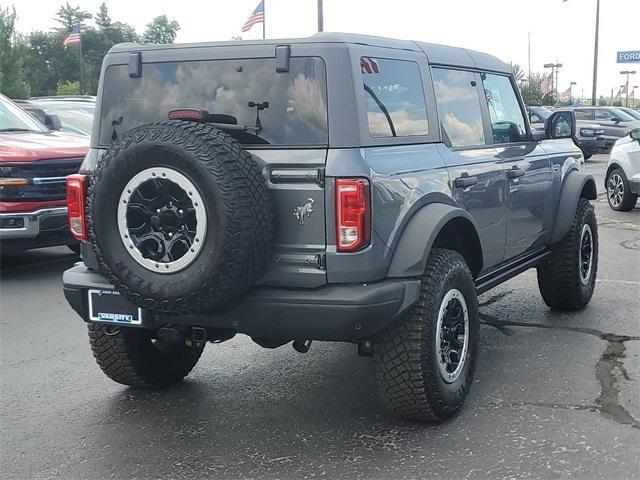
{"x": 76, "y": 191}
{"x": 353, "y": 214}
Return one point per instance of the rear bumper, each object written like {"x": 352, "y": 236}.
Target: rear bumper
{"x": 345, "y": 312}
{"x": 39, "y": 228}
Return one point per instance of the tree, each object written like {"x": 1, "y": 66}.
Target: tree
{"x": 68, "y": 88}
{"x": 12, "y": 50}
{"x": 161, "y": 30}
{"x": 70, "y": 17}
{"x": 518, "y": 73}
{"x": 531, "y": 90}
{"x": 103, "y": 20}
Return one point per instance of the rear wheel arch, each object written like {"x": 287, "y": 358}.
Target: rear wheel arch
{"x": 436, "y": 225}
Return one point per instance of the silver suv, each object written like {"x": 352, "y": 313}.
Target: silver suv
{"x": 616, "y": 123}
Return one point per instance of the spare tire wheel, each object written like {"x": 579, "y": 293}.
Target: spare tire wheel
{"x": 180, "y": 217}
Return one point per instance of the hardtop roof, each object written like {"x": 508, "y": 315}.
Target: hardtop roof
{"x": 436, "y": 54}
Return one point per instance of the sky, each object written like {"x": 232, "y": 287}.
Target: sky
{"x": 560, "y": 30}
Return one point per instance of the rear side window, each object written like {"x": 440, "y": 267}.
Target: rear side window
{"x": 507, "y": 120}
{"x": 296, "y": 114}
{"x": 604, "y": 115}
{"x": 395, "y": 98}
{"x": 458, "y": 107}
{"x": 583, "y": 115}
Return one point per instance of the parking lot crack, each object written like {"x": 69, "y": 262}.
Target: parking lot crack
{"x": 608, "y": 367}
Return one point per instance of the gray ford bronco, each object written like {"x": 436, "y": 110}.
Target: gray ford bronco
{"x": 336, "y": 188}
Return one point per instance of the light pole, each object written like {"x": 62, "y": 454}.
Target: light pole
{"x": 554, "y": 70}
{"x": 320, "y": 17}
{"x": 595, "y": 56}
{"x": 627, "y": 73}
{"x": 633, "y": 95}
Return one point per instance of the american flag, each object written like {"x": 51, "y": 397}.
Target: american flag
{"x": 369, "y": 65}
{"x": 73, "y": 38}
{"x": 256, "y": 17}
{"x": 622, "y": 91}
{"x": 547, "y": 84}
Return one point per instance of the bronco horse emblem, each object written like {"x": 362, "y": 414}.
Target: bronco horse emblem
{"x": 300, "y": 211}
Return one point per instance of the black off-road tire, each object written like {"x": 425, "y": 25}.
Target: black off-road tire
{"x": 237, "y": 245}
{"x": 559, "y": 277}
{"x": 629, "y": 199}
{"x": 405, "y": 354}
{"x": 129, "y": 356}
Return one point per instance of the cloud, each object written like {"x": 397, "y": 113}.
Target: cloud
{"x": 405, "y": 122}
{"x": 461, "y": 133}
{"x": 448, "y": 93}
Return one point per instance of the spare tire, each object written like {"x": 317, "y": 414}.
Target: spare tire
{"x": 180, "y": 217}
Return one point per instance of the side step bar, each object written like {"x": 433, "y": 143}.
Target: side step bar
{"x": 489, "y": 280}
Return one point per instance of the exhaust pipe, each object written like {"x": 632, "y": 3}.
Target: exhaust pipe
{"x": 301, "y": 346}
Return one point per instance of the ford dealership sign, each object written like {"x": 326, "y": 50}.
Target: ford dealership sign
{"x": 629, "y": 57}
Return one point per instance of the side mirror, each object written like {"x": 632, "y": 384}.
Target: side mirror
{"x": 615, "y": 119}
{"x": 560, "y": 125}
{"x": 52, "y": 121}
{"x": 635, "y": 134}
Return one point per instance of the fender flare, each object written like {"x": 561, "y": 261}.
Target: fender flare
{"x": 574, "y": 184}
{"x": 412, "y": 249}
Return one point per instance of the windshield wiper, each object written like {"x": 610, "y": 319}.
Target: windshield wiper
{"x": 382, "y": 108}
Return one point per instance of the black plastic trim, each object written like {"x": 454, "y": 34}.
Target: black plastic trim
{"x": 339, "y": 312}
{"x": 502, "y": 274}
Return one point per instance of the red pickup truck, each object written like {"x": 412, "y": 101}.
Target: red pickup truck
{"x": 34, "y": 162}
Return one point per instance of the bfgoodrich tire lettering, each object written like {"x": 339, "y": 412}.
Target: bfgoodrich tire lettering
{"x": 239, "y": 216}
{"x": 409, "y": 375}
{"x": 565, "y": 280}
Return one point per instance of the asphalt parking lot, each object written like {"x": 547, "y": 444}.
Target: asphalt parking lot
{"x": 556, "y": 395}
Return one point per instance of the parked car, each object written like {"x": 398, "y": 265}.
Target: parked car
{"x": 34, "y": 163}
{"x": 634, "y": 113}
{"x": 64, "y": 114}
{"x": 616, "y": 123}
{"x": 623, "y": 173}
{"x": 338, "y": 188}
{"x": 589, "y": 138}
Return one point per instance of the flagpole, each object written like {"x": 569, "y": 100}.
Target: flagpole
{"x": 264, "y": 18}
{"x": 80, "y": 50}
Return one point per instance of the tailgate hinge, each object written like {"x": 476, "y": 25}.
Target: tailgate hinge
{"x": 321, "y": 261}
{"x": 320, "y": 177}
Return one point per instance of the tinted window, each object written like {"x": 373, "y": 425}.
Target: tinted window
{"x": 13, "y": 118}
{"x": 536, "y": 119}
{"x": 604, "y": 115}
{"x": 507, "y": 120}
{"x": 622, "y": 115}
{"x": 583, "y": 115}
{"x": 395, "y": 98}
{"x": 458, "y": 107}
{"x": 296, "y": 115}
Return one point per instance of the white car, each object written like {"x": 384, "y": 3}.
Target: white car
{"x": 623, "y": 172}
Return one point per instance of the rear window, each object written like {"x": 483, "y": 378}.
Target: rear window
{"x": 296, "y": 115}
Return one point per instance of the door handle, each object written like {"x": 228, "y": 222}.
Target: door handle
{"x": 515, "y": 172}
{"x": 465, "y": 181}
